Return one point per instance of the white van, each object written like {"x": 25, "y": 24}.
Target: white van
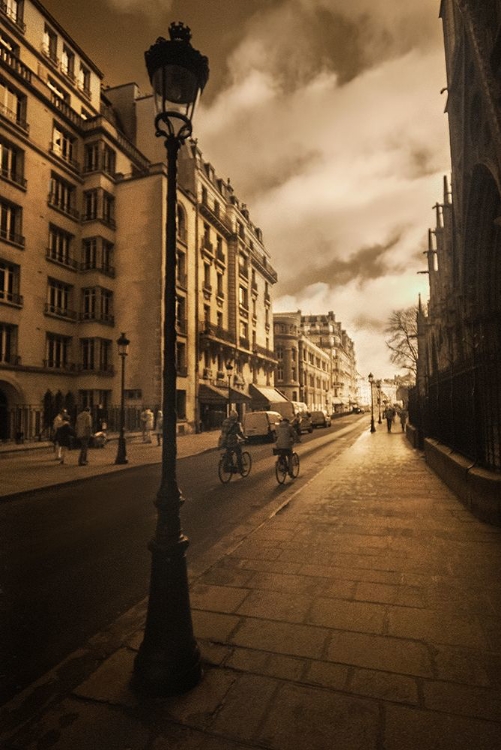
{"x": 261, "y": 425}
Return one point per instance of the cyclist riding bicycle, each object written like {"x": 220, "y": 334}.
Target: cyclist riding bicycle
{"x": 286, "y": 437}
{"x": 232, "y": 436}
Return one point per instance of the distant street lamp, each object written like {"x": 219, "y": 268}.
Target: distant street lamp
{"x": 378, "y": 385}
{"x": 168, "y": 661}
{"x": 123, "y": 350}
{"x": 229, "y": 370}
{"x": 371, "y": 381}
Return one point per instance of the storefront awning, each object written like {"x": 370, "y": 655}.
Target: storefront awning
{"x": 263, "y": 393}
{"x": 337, "y": 401}
{"x": 210, "y": 394}
{"x": 238, "y": 397}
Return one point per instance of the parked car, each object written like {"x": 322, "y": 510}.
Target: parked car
{"x": 261, "y": 425}
{"x": 320, "y": 419}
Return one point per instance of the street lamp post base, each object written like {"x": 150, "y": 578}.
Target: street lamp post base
{"x": 168, "y": 662}
{"x": 373, "y": 428}
{"x": 121, "y": 452}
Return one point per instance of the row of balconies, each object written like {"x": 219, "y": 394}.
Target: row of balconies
{"x": 73, "y": 316}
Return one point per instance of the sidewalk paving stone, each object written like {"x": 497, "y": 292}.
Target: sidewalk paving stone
{"x": 362, "y": 616}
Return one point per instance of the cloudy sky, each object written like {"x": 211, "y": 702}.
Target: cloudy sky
{"x": 328, "y": 118}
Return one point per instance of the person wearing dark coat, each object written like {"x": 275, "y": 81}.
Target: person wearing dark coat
{"x": 64, "y": 437}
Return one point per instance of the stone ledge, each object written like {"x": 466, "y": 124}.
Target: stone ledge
{"x": 478, "y": 489}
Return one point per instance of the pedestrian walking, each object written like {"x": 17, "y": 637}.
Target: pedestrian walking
{"x": 64, "y": 438}
{"x": 84, "y": 434}
{"x": 389, "y": 415}
{"x": 56, "y": 424}
{"x": 159, "y": 427}
{"x": 403, "y": 418}
{"x": 147, "y": 422}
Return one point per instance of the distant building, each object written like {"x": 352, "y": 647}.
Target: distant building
{"x": 316, "y": 361}
{"x": 82, "y": 248}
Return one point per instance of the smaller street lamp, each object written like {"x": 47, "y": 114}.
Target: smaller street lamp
{"x": 378, "y": 385}
{"x": 229, "y": 370}
{"x": 371, "y": 381}
{"x": 123, "y": 350}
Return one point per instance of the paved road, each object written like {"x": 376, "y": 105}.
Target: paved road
{"x": 75, "y": 558}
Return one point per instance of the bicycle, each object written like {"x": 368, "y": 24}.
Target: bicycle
{"x": 282, "y": 465}
{"x": 228, "y": 465}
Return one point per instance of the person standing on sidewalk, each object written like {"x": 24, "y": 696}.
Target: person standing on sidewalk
{"x": 159, "y": 427}
{"x": 64, "y": 438}
{"x": 389, "y": 415}
{"x": 56, "y": 424}
{"x": 403, "y": 417}
{"x": 147, "y": 422}
{"x": 84, "y": 434}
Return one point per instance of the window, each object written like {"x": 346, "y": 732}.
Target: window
{"x": 133, "y": 394}
{"x": 91, "y": 157}
{"x": 109, "y": 160}
{"x": 181, "y": 314}
{"x": 68, "y": 63}
{"x": 108, "y": 209}
{"x": 97, "y": 254}
{"x": 100, "y": 205}
{"x": 96, "y": 354}
{"x": 9, "y": 283}
{"x": 207, "y": 284}
{"x": 280, "y": 373}
{"x": 181, "y": 269}
{"x": 62, "y": 196}
{"x": 14, "y": 10}
{"x": 9, "y": 45}
{"x": 98, "y": 155}
{"x": 181, "y": 224}
{"x": 60, "y": 95}
{"x": 63, "y": 144}
{"x": 243, "y": 297}
{"x": 60, "y": 244}
{"x": 220, "y": 285}
{"x": 58, "y": 348}
{"x": 10, "y": 222}
{"x": 97, "y": 304}
{"x": 8, "y": 343}
{"x": 89, "y": 253}
{"x": 13, "y": 105}
{"x": 84, "y": 80}
{"x": 12, "y": 163}
{"x": 181, "y": 359}
{"x": 90, "y": 205}
{"x": 58, "y": 299}
{"x": 49, "y": 45}
{"x": 244, "y": 330}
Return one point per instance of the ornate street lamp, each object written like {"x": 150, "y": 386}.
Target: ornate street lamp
{"x": 229, "y": 370}
{"x": 123, "y": 350}
{"x": 168, "y": 661}
{"x": 378, "y": 385}
{"x": 371, "y": 381}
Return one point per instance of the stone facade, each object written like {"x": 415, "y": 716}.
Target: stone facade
{"x": 316, "y": 361}
{"x": 459, "y": 333}
{"x": 83, "y": 187}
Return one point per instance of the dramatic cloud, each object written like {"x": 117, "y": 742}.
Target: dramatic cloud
{"x": 332, "y": 129}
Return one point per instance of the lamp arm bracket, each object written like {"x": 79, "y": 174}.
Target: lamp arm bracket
{"x": 164, "y": 127}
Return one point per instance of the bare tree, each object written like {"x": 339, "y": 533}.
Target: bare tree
{"x": 402, "y": 341}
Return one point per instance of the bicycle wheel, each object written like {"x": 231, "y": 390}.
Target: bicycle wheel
{"x": 224, "y": 470}
{"x": 280, "y": 469}
{"x": 246, "y": 464}
{"x": 295, "y": 465}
